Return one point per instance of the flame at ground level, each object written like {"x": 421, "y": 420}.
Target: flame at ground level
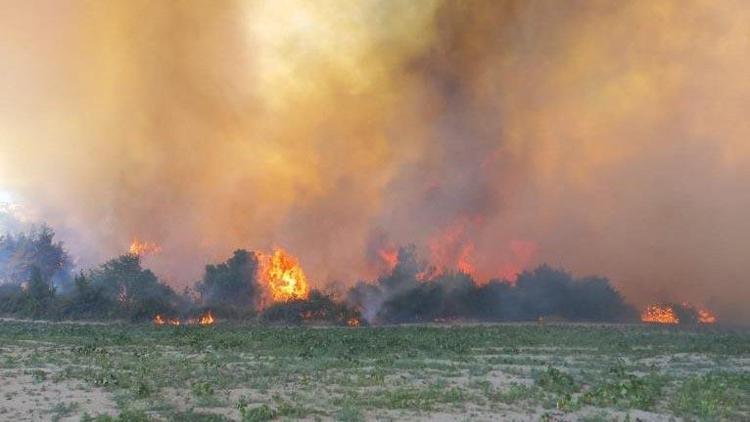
{"x": 353, "y": 322}
{"x": 206, "y": 318}
{"x": 660, "y": 314}
{"x": 162, "y": 320}
{"x": 671, "y": 314}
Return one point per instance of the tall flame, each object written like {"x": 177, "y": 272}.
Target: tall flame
{"x": 451, "y": 248}
{"x": 283, "y": 277}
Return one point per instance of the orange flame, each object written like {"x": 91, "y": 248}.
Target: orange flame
{"x": 143, "y": 248}
{"x": 353, "y": 322}
{"x": 161, "y": 320}
{"x": 666, "y": 314}
{"x": 283, "y": 277}
{"x": 521, "y": 253}
{"x": 660, "y": 314}
{"x": 389, "y": 257}
{"x": 452, "y": 249}
{"x": 207, "y": 318}
{"x": 464, "y": 264}
{"x": 705, "y": 316}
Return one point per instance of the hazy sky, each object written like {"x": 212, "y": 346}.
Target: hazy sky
{"x": 606, "y": 137}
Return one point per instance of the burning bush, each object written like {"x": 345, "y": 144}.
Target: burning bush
{"x": 410, "y": 291}
{"x": 446, "y": 297}
{"x": 675, "y": 313}
{"x": 251, "y": 280}
{"x": 282, "y": 277}
{"x": 317, "y": 308}
{"x": 412, "y": 294}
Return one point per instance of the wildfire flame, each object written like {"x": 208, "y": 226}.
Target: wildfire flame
{"x": 705, "y": 316}
{"x": 389, "y": 257}
{"x": 451, "y": 248}
{"x": 283, "y": 277}
{"x": 668, "y": 314}
{"x": 161, "y": 320}
{"x": 353, "y": 322}
{"x": 143, "y": 248}
{"x": 464, "y": 264}
{"x": 660, "y": 314}
{"x": 206, "y": 319}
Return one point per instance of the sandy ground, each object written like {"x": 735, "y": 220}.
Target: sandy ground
{"x": 47, "y": 377}
{"x": 27, "y": 395}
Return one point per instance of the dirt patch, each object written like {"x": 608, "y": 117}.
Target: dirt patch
{"x": 30, "y": 396}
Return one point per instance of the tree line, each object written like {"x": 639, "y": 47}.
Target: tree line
{"x": 37, "y": 281}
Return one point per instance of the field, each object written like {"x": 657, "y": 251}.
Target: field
{"x": 126, "y": 372}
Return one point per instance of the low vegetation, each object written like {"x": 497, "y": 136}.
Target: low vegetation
{"x": 138, "y": 372}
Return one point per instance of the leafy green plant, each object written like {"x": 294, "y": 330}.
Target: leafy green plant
{"x": 38, "y": 375}
{"x": 627, "y": 391}
{"x": 556, "y": 381}
{"x": 257, "y": 414}
{"x": 63, "y": 410}
{"x": 717, "y": 395}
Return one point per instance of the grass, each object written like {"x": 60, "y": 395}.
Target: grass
{"x": 62, "y": 410}
{"x": 255, "y": 373}
{"x": 713, "y": 395}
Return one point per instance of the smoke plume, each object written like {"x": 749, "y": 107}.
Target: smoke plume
{"x": 603, "y": 137}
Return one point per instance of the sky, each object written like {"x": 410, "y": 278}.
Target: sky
{"x": 605, "y": 137}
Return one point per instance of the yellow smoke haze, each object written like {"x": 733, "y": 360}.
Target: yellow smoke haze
{"x": 606, "y": 137}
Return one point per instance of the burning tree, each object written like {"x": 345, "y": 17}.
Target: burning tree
{"x": 443, "y": 298}
{"x": 316, "y": 308}
{"x": 289, "y": 300}
{"x": 143, "y": 248}
{"x": 413, "y": 293}
{"x": 249, "y": 281}
{"x": 283, "y": 277}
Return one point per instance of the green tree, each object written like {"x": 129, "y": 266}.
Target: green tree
{"x": 122, "y": 283}
{"x": 39, "y": 295}
{"x": 20, "y": 254}
{"x": 231, "y": 283}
